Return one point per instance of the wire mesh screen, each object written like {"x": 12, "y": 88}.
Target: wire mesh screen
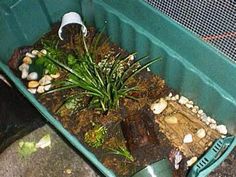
{"x": 212, "y": 20}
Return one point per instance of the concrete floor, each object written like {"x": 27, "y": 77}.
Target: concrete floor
{"x": 58, "y": 161}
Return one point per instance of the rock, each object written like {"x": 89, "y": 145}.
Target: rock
{"x": 201, "y": 133}
{"x": 173, "y": 98}
{"x": 171, "y": 120}
{"x": 222, "y": 129}
{"x": 32, "y": 76}
{"x": 40, "y": 89}
{"x": 191, "y": 161}
{"x": 47, "y": 87}
{"x": 194, "y": 110}
{"x": 183, "y": 100}
{"x": 188, "y": 138}
{"x": 29, "y": 55}
{"x": 43, "y": 51}
{"x": 159, "y": 107}
{"x": 55, "y": 76}
{"x": 27, "y": 60}
{"x": 45, "y": 80}
{"x": 189, "y": 105}
{"x": 212, "y": 121}
{"x": 190, "y": 102}
{"x": 24, "y": 73}
{"x": 170, "y": 95}
{"x": 35, "y": 52}
{"x": 196, "y": 107}
{"x": 32, "y": 90}
{"x": 177, "y": 97}
{"x": 33, "y": 84}
{"x": 213, "y": 126}
{"x": 23, "y": 66}
{"x": 148, "y": 69}
{"x": 200, "y": 112}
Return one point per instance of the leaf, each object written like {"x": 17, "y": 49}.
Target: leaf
{"x": 27, "y": 148}
{"x": 44, "y": 142}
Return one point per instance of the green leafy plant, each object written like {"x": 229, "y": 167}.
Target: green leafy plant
{"x": 123, "y": 151}
{"x": 105, "y": 84}
{"x": 96, "y": 136}
{"x": 51, "y": 46}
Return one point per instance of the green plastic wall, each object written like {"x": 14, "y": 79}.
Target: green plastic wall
{"x": 190, "y": 66}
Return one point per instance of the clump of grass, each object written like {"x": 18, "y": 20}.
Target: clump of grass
{"x": 96, "y": 136}
{"x": 104, "y": 84}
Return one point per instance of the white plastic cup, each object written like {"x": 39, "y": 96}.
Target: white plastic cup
{"x": 72, "y": 18}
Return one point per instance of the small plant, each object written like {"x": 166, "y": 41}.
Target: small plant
{"x": 123, "y": 151}
{"x": 96, "y": 136}
{"x": 52, "y": 52}
{"x": 104, "y": 84}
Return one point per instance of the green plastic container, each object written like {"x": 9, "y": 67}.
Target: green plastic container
{"x": 190, "y": 66}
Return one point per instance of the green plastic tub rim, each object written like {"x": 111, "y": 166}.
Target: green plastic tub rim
{"x": 187, "y": 66}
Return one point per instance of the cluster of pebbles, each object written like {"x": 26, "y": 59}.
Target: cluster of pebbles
{"x": 159, "y": 106}
{"x": 36, "y": 84}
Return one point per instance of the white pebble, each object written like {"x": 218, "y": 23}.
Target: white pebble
{"x": 194, "y": 110}
{"x": 170, "y": 95}
{"x": 44, "y": 51}
{"x": 177, "y": 97}
{"x": 191, "y": 161}
{"x": 183, "y": 100}
{"x": 213, "y": 126}
{"x": 201, "y": 133}
{"x": 30, "y": 55}
{"x": 40, "y": 89}
{"x": 173, "y": 98}
{"x": 148, "y": 69}
{"x": 45, "y": 80}
{"x": 190, "y": 102}
{"x": 159, "y": 107}
{"x": 24, "y": 74}
{"x": 222, "y": 129}
{"x": 34, "y": 52}
{"x": 196, "y": 107}
{"x": 32, "y": 90}
{"x": 32, "y": 76}
{"x": 47, "y": 87}
{"x": 189, "y": 105}
{"x": 23, "y": 66}
{"x": 188, "y": 138}
{"x": 200, "y": 112}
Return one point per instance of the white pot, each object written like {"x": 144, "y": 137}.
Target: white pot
{"x": 72, "y": 18}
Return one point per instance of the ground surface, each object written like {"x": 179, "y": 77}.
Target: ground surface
{"x": 58, "y": 161}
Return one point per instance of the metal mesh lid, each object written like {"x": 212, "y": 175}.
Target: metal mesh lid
{"x": 212, "y": 20}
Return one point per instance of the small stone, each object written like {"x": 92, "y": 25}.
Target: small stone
{"x": 27, "y": 60}
{"x": 55, "y": 76}
{"x": 177, "y": 97}
{"x": 24, "y": 74}
{"x": 29, "y": 55}
{"x": 190, "y": 102}
{"x": 32, "y": 90}
{"x": 222, "y": 129}
{"x": 32, "y": 76}
{"x": 188, "y": 138}
{"x": 196, "y": 107}
{"x": 23, "y": 66}
{"x": 173, "y": 98}
{"x": 167, "y": 98}
{"x": 68, "y": 171}
{"x": 159, "y": 107}
{"x": 47, "y": 87}
{"x": 189, "y": 105}
{"x": 213, "y": 126}
{"x": 131, "y": 57}
{"x": 212, "y": 121}
{"x": 201, "y": 133}
{"x": 191, "y": 161}
{"x": 194, "y": 110}
{"x": 45, "y": 80}
{"x": 200, "y": 112}
{"x": 33, "y": 84}
{"x": 170, "y": 95}
{"x": 40, "y": 89}
{"x": 43, "y": 51}
{"x": 35, "y": 52}
{"x": 171, "y": 120}
{"x": 183, "y": 100}
{"x": 148, "y": 69}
